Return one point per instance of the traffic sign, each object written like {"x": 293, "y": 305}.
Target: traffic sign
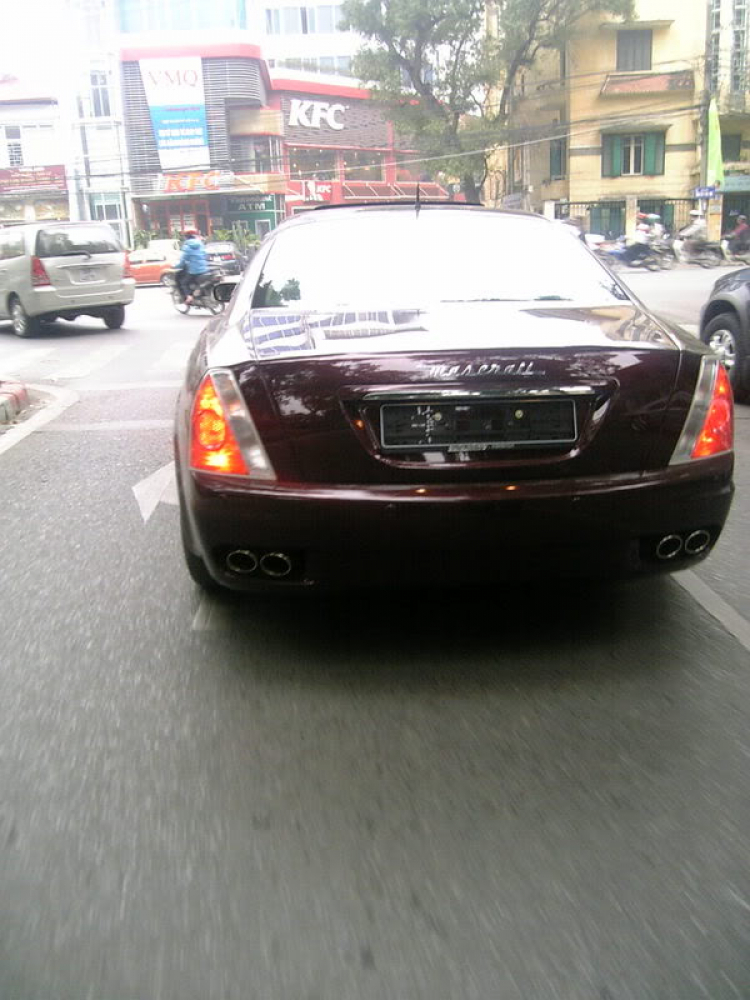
{"x": 704, "y": 193}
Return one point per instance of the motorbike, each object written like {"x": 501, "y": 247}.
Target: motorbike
{"x": 704, "y": 255}
{"x": 202, "y": 296}
{"x": 617, "y": 255}
{"x": 733, "y": 256}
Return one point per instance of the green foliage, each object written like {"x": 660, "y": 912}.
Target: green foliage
{"x": 446, "y": 78}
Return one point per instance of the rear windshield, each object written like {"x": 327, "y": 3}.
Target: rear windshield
{"x": 402, "y": 259}
{"x": 220, "y": 248}
{"x": 64, "y": 241}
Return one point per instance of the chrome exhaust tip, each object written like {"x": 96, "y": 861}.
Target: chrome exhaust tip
{"x": 242, "y": 562}
{"x": 276, "y": 565}
{"x": 697, "y": 542}
{"x": 668, "y": 547}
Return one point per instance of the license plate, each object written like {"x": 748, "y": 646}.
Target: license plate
{"x": 87, "y": 273}
{"x": 478, "y": 426}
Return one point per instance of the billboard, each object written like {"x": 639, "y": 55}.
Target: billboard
{"x": 177, "y": 104}
{"x": 22, "y": 180}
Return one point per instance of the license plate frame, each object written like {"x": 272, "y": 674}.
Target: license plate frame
{"x": 456, "y": 426}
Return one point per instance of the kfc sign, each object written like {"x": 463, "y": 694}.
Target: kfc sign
{"x": 313, "y": 114}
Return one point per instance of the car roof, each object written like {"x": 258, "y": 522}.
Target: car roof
{"x": 325, "y": 212}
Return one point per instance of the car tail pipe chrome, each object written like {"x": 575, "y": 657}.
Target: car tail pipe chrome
{"x": 697, "y": 542}
{"x": 276, "y": 565}
{"x": 242, "y": 562}
{"x": 668, "y": 547}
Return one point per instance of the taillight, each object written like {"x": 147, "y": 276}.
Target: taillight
{"x": 39, "y": 274}
{"x": 223, "y": 437}
{"x": 128, "y": 271}
{"x": 717, "y": 433}
{"x": 709, "y": 427}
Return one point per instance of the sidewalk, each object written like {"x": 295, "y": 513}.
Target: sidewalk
{"x": 14, "y": 398}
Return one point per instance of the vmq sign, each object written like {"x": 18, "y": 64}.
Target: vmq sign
{"x": 177, "y": 103}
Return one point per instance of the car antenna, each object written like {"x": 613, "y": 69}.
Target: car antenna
{"x": 418, "y": 201}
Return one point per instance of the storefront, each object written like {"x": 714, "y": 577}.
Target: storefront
{"x": 30, "y": 194}
{"x": 217, "y": 145}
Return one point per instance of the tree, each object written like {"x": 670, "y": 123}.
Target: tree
{"x": 446, "y": 78}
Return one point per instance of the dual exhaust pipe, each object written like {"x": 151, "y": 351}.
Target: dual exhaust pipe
{"x": 670, "y": 546}
{"x": 243, "y": 562}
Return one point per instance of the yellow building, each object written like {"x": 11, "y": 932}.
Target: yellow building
{"x": 728, "y": 82}
{"x": 611, "y": 124}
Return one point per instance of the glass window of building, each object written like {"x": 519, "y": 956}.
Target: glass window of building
{"x": 13, "y": 146}
{"x": 257, "y": 154}
{"x": 634, "y": 50}
{"x": 363, "y": 165}
{"x": 306, "y": 163}
{"x": 173, "y": 15}
{"x": 100, "y": 107}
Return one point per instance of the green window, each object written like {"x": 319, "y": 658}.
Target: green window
{"x": 633, "y": 155}
{"x": 557, "y": 159}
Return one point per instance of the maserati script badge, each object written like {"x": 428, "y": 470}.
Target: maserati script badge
{"x": 478, "y": 371}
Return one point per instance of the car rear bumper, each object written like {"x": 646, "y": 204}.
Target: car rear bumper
{"x": 48, "y": 300}
{"x": 344, "y": 537}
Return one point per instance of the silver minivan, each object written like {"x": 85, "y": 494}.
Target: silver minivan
{"x": 61, "y": 270}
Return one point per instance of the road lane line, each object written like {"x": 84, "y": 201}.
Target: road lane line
{"x": 12, "y": 364}
{"x": 114, "y": 425}
{"x": 174, "y": 358}
{"x": 91, "y": 362}
{"x": 730, "y": 620}
{"x": 63, "y": 398}
{"x": 126, "y": 386}
{"x": 212, "y": 615}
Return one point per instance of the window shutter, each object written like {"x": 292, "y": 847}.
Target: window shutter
{"x": 612, "y": 156}
{"x": 653, "y": 153}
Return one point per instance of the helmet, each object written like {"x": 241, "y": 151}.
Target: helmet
{"x": 642, "y": 215}
{"x": 742, "y": 218}
{"x": 192, "y": 232}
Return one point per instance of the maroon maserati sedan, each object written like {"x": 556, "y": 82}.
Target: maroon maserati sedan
{"x": 423, "y": 394}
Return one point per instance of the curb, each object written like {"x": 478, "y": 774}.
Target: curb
{"x": 14, "y": 398}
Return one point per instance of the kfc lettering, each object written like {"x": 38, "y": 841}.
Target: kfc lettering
{"x": 312, "y": 114}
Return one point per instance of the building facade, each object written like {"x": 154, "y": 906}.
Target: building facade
{"x": 728, "y": 82}
{"x": 613, "y": 122}
{"x": 33, "y": 174}
{"x": 217, "y": 143}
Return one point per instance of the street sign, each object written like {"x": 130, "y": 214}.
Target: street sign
{"x": 704, "y": 193}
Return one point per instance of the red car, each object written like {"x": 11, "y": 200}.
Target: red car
{"x": 151, "y": 267}
{"x": 417, "y": 394}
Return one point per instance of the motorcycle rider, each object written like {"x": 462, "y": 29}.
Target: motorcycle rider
{"x": 641, "y": 242}
{"x": 193, "y": 264}
{"x": 693, "y": 236}
{"x": 739, "y": 237}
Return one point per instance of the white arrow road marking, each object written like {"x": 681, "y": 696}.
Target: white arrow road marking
{"x": 159, "y": 487}
{"x": 63, "y": 398}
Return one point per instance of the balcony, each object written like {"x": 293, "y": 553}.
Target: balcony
{"x": 626, "y": 84}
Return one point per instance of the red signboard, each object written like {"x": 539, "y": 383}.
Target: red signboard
{"x": 21, "y": 180}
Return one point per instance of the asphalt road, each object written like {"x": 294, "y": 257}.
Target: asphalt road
{"x": 531, "y": 795}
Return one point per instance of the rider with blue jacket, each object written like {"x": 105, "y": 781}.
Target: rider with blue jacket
{"x": 193, "y": 261}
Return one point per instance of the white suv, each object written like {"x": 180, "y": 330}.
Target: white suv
{"x": 61, "y": 270}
